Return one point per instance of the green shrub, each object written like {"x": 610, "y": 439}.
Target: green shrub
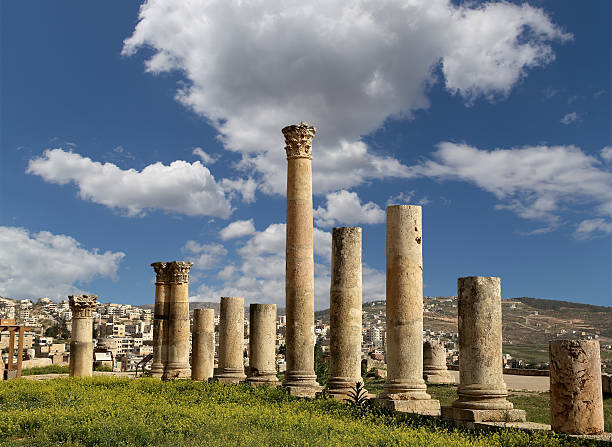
{"x": 50, "y": 369}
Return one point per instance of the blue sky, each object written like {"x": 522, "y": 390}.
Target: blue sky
{"x": 132, "y": 135}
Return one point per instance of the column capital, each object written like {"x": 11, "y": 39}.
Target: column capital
{"x": 298, "y": 140}
{"x": 161, "y": 270}
{"x": 178, "y": 272}
{"x": 82, "y": 306}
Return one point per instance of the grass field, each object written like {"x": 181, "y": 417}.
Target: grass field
{"x": 528, "y": 353}
{"x": 143, "y": 412}
{"x": 50, "y": 369}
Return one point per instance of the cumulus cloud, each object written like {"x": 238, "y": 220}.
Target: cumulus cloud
{"x": 535, "y": 182}
{"x": 181, "y": 187}
{"x": 204, "y": 257}
{"x": 236, "y": 229}
{"x": 570, "y": 118}
{"x": 606, "y": 154}
{"x": 246, "y": 188}
{"x": 46, "y": 264}
{"x": 345, "y": 208}
{"x": 345, "y": 66}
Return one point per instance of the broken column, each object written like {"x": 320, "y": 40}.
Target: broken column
{"x": 177, "y": 366}
{"x": 231, "y": 340}
{"x": 576, "y": 400}
{"x": 345, "y": 312}
{"x": 203, "y": 344}
{"x": 81, "y": 343}
{"x": 434, "y": 363}
{"x": 482, "y": 392}
{"x": 300, "y": 378}
{"x": 262, "y": 344}
{"x": 405, "y": 389}
{"x": 160, "y": 321}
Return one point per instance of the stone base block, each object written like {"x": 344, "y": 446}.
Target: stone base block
{"x": 439, "y": 378}
{"x": 428, "y": 407}
{"x": 264, "y": 381}
{"x": 303, "y": 390}
{"x": 469, "y": 415}
{"x": 233, "y": 379}
{"x": 177, "y": 374}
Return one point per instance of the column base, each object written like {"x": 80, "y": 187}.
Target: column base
{"x": 301, "y": 384}
{"x": 439, "y": 378}
{"x": 177, "y": 371}
{"x": 339, "y": 387}
{"x": 265, "y": 380}
{"x": 427, "y": 407}
{"x": 230, "y": 375}
{"x": 467, "y": 415}
{"x": 157, "y": 371}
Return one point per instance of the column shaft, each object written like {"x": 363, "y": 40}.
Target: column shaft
{"x": 231, "y": 340}
{"x": 345, "y": 312}
{"x": 434, "y": 363}
{"x": 160, "y": 321}
{"x": 81, "y": 343}
{"x": 177, "y": 366}
{"x": 262, "y": 344}
{"x": 203, "y": 344}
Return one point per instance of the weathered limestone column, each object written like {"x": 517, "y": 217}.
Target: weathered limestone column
{"x": 345, "y": 312}
{"x": 576, "y": 401}
{"x": 482, "y": 391}
{"x": 81, "y": 343}
{"x": 177, "y": 366}
{"x": 160, "y": 322}
{"x": 434, "y": 363}
{"x": 262, "y": 344}
{"x": 300, "y": 378}
{"x": 231, "y": 340}
{"x": 405, "y": 389}
{"x": 203, "y": 344}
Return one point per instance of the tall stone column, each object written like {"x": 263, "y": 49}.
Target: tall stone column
{"x": 81, "y": 343}
{"x": 345, "y": 312}
{"x": 262, "y": 344}
{"x": 231, "y": 341}
{"x": 434, "y": 363}
{"x": 482, "y": 391}
{"x": 300, "y": 378}
{"x": 177, "y": 366}
{"x": 203, "y": 344}
{"x": 160, "y": 321}
{"x": 405, "y": 389}
{"x": 576, "y": 400}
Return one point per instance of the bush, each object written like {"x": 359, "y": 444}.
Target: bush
{"x": 50, "y": 369}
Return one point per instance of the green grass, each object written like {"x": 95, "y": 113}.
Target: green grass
{"x": 142, "y": 412}
{"x": 51, "y": 369}
{"x": 537, "y": 353}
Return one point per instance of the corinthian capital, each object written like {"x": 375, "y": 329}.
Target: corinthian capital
{"x": 161, "y": 269}
{"x": 298, "y": 140}
{"x": 178, "y": 271}
{"x": 82, "y": 306}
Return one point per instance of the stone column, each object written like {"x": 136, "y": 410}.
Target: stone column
{"x": 434, "y": 363}
{"x": 345, "y": 312}
{"x": 482, "y": 391}
{"x": 231, "y": 341}
{"x": 177, "y": 366}
{"x": 405, "y": 389}
{"x": 262, "y": 344}
{"x": 81, "y": 343}
{"x": 203, "y": 344}
{"x": 160, "y": 322}
{"x": 576, "y": 401}
{"x": 300, "y": 378}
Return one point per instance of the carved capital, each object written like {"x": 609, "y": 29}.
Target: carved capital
{"x": 298, "y": 140}
{"x": 178, "y": 272}
{"x": 161, "y": 269}
{"x": 82, "y": 306}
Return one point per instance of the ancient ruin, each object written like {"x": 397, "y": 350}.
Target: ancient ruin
{"x": 262, "y": 343}
{"x": 160, "y": 321}
{"x": 434, "y": 363}
{"x": 81, "y": 343}
{"x": 482, "y": 391}
{"x": 300, "y": 378}
{"x": 576, "y": 400}
{"x": 231, "y": 340}
{"x": 345, "y": 312}
{"x": 203, "y": 344}
{"x": 405, "y": 389}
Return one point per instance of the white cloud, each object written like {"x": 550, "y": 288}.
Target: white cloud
{"x": 344, "y": 66}
{"x": 345, "y": 208}
{"x": 236, "y": 229}
{"x": 606, "y": 154}
{"x": 46, "y": 264}
{"x": 205, "y": 257}
{"x": 204, "y": 156}
{"x": 535, "y": 182}
{"x": 246, "y": 188}
{"x": 591, "y": 227}
{"x": 181, "y": 187}
{"x": 570, "y": 118}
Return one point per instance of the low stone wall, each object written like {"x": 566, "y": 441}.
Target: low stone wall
{"x": 35, "y": 363}
{"x": 606, "y": 383}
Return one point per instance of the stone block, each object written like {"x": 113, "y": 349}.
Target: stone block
{"x": 427, "y": 407}
{"x": 470, "y": 415}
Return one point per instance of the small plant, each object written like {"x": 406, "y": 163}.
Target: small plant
{"x": 358, "y": 395}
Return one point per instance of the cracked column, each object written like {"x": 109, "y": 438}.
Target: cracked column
{"x": 160, "y": 322}
{"x": 345, "y": 312}
{"x": 177, "y": 366}
{"x": 81, "y": 342}
{"x": 231, "y": 341}
{"x": 203, "y": 344}
{"x": 434, "y": 363}
{"x": 482, "y": 392}
{"x": 405, "y": 389}
{"x": 300, "y": 378}
{"x": 576, "y": 400}
{"x": 262, "y": 344}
